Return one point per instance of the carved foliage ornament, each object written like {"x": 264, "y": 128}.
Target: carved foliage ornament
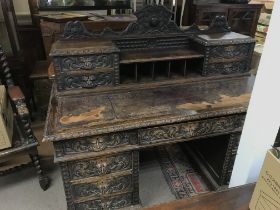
{"x": 98, "y": 143}
{"x": 106, "y": 187}
{"x": 227, "y": 68}
{"x": 87, "y": 62}
{"x": 86, "y": 81}
{"x": 152, "y": 19}
{"x": 87, "y": 168}
{"x": 188, "y": 130}
{"x": 219, "y": 24}
{"x": 75, "y": 30}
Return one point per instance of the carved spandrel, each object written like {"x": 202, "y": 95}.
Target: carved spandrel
{"x": 106, "y": 187}
{"x": 87, "y": 62}
{"x": 97, "y": 143}
{"x": 192, "y": 129}
{"x": 92, "y": 167}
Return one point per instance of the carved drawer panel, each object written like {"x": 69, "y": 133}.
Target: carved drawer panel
{"x": 228, "y": 53}
{"x": 67, "y": 82}
{"x": 191, "y": 129}
{"x": 115, "y": 202}
{"x": 103, "y": 187}
{"x": 100, "y": 166}
{"x": 84, "y": 63}
{"x": 227, "y": 68}
{"x": 95, "y": 143}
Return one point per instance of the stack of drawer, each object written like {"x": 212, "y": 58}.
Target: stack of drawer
{"x": 108, "y": 181}
{"x": 224, "y": 53}
{"x": 89, "y": 64}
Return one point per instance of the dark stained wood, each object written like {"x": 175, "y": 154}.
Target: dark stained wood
{"x": 127, "y": 110}
{"x": 234, "y": 199}
{"x": 184, "y": 86}
{"x": 52, "y": 31}
{"x": 158, "y": 55}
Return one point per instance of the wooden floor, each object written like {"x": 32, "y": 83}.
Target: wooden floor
{"x": 232, "y": 199}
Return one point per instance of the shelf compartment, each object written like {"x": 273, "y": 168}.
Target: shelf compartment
{"x": 178, "y": 68}
{"x": 128, "y": 73}
{"x": 145, "y": 71}
{"x": 158, "y": 55}
{"x": 162, "y": 70}
{"x": 194, "y": 66}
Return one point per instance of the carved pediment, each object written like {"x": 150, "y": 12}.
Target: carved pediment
{"x": 152, "y": 19}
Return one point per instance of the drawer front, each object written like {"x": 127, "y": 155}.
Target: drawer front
{"x": 83, "y": 63}
{"x": 227, "y": 68}
{"x": 115, "y": 202}
{"x": 229, "y": 53}
{"x": 102, "y": 188}
{"x": 100, "y": 166}
{"x": 95, "y": 143}
{"x": 69, "y": 81}
{"x": 191, "y": 129}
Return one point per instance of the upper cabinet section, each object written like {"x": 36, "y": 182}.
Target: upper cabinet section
{"x": 151, "y": 50}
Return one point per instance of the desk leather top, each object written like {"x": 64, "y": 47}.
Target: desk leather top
{"x": 91, "y": 114}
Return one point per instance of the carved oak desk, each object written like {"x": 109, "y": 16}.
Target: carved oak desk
{"x": 116, "y": 93}
{"x": 97, "y": 136}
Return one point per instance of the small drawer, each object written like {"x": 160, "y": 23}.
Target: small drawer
{"x": 80, "y": 169}
{"x": 228, "y": 68}
{"x": 86, "y": 80}
{"x": 83, "y": 63}
{"x": 116, "y": 202}
{"x": 104, "y": 187}
{"x": 228, "y": 53}
{"x": 100, "y": 143}
{"x": 190, "y": 129}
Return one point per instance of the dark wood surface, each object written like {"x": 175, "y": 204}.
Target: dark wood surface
{"x": 127, "y": 110}
{"x": 156, "y": 55}
{"x": 98, "y": 124}
{"x": 232, "y": 199}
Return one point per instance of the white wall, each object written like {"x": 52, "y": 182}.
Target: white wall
{"x": 263, "y": 117}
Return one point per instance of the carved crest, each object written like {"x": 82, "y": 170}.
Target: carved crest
{"x": 218, "y": 25}
{"x": 75, "y": 30}
{"x": 152, "y": 19}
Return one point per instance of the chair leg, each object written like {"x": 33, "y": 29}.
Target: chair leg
{"x": 44, "y": 181}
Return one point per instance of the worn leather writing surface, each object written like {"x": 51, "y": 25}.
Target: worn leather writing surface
{"x": 96, "y": 114}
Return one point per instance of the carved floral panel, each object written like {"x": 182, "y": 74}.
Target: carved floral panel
{"x": 87, "y": 62}
{"x": 96, "y": 167}
{"x": 85, "y": 81}
{"x": 224, "y": 53}
{"x": 96, "y": 143}
{"x": 104, "y": 187}
{"x": 227, "y": 68}
{"x": 192, "y": 129}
